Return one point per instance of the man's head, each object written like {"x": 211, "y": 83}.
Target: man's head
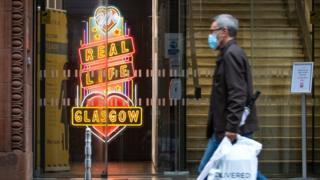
{"x": 224, "y": 27}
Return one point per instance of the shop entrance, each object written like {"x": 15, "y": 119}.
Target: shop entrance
{"x": 93, "y": 70}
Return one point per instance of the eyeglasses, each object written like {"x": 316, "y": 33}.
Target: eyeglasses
{"x": 214, "y": 30}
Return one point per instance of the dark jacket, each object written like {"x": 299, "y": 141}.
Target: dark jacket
{"x": 231, "y": 88}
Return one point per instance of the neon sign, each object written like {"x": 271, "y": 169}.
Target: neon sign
{"x": 106, "y": 79}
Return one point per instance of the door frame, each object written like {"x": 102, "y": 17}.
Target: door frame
{"x": 154, "y": 151}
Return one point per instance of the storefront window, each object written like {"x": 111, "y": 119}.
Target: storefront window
{"x": 94, "y": 70}
{"x": 115, "y": 68}
{"x": 139, "y": 76}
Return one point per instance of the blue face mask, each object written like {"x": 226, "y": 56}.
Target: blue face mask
{"x": 213, "y": 41}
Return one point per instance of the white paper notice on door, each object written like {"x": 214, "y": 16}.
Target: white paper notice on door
{"x": 302, "y": 74}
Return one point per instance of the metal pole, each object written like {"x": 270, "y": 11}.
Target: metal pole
{"x": 88, "y": 152}
{"x": 304, "y": 136}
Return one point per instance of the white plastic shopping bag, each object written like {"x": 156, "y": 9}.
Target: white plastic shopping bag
{"x": 231, "y": 162}
{"x": 214, "y": 162}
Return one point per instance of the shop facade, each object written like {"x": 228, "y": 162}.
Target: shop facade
{"x": 138, "y": 75}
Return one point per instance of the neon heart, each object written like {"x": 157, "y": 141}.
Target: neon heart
{"x": 97, "y": 99}
{"x": 106, "y": 17}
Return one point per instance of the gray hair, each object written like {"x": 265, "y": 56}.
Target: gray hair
{"x": 227, "y": 20}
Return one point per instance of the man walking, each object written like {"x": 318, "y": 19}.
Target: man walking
{"x": 231, "y": 90}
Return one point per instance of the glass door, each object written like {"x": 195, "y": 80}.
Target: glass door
{"x": 129, "y": 88}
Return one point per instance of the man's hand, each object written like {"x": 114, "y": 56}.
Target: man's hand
{"x": 232, "y": 136}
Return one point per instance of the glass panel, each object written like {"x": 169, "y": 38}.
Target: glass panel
{"x": 88, "y": 51}
{"x": 61, "y": 151}
{"x": 171, "y": 91}
{"x": 279, "y": 38}
{"x": 129, "y": 85}
{"x": 199, "y": 19}
{"x": 94, "y": 68}
{"x": 272, "y": 35}
{"x": 53, "y": 100}
{"x": 276, "y": 45}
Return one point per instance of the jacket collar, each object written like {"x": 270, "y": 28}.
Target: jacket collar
{"x": 225, "y": 47}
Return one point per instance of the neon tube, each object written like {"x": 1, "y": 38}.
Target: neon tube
{"x": 87, "y": 34}
{"x": 125, "y": 29}
{"x": 77, "y": 96}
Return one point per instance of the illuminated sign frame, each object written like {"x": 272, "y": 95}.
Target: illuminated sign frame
{"x": 108, "y": 113}
{"x": 106, "y": 57}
